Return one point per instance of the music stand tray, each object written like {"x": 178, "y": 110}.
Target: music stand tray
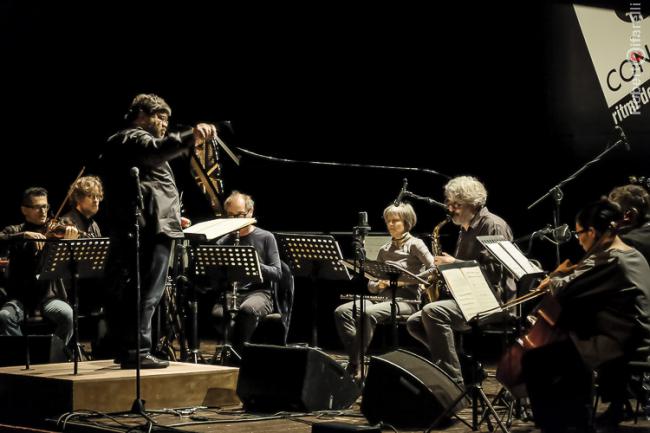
{"x": 316, "y": 257}
{"x": 74, "y": 260}
{"x": 88, "y": 256}
{"x": 238, "y": 263}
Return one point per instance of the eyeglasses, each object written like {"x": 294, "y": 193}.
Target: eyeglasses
{"x": 38, "y": 207}
{"x": 576, "y": 234}
{"x": 238, "y": 215}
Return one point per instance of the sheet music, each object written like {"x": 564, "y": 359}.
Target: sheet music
{"x": 519, "y": 257}
{"x": 509, "y": 255}
{"x": 209, "y": 230}
{"x": 470, "y": 290}
{"x": 498, "y": 250}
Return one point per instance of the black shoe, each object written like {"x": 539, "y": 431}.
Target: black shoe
{"x": 146, "y": 361}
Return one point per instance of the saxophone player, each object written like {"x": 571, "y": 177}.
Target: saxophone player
{"x": 465, "y": 197}
{"x": 408, "y": 252}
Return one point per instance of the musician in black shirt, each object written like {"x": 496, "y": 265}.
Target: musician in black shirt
{"x": 143, "y": 148}
{"x": 85, "y": 195}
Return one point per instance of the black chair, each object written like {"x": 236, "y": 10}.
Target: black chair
{"x": 274, "y": 327}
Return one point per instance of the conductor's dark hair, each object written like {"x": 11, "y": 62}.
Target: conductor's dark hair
{"x": 147, "y": 103}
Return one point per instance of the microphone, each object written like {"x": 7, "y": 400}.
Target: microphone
{"x": 398, "y": 200}
{"x": 622, "y": 137}
{"x": 561, "y": 234}
{"x": 135, "y": 173}
{"x": 362, "y": 224}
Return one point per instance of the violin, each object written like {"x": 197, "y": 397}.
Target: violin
{"x": 56, "y": 229}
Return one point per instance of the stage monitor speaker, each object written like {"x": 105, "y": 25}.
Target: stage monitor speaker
{"x": 281, "y": 378}
{"x": 43, "y": 349}
{"x": 404, "y": 389}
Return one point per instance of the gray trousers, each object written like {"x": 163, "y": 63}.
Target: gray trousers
{"x": 434, "y": 326}
{"x": 56, "y": 310}
{"x": 255, "y": 306}
{"x": 347, "y": 325}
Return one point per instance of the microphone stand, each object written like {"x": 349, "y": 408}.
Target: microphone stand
{"x": 358, "y": 240}
{"x": 138, "y": 404}
{"x": 427, "y": 200}
{"x": 557, "y": 193}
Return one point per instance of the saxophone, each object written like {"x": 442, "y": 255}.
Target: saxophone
{"x": 432, "y": 291}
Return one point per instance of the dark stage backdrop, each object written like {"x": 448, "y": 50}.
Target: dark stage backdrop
{"x": 506, "y": 94}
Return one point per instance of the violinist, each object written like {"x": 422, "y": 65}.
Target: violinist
{"x": 606, "y": 322}
{"x": 144, "y": 148}
{"x": 85, "y": 195}
{"x": 25, "y": 293}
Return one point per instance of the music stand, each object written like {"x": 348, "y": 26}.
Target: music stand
{"x": 394, "y": 274}
{"x": 205, "y": 231}
{"x": 316, "y": 257}
{"x": 74, "y": 260}
{"x": 473, "y": 294}
{"x": 240, "y": 265}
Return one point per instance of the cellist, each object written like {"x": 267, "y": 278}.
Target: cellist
{"x": 606, "y": 319}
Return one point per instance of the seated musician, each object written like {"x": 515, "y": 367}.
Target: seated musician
{"x": 465, "y": 197}
{"x": 606, "y": 322}
{"x": 85, "y": 195}
{"x": 257, "y": 301}
{"x": 25, "y": 293}
{"x": 634, "y": 201}
{"x": 406, "y": 251}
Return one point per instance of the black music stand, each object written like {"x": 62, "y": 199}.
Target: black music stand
{"x": 74, "y": 260}
{"x": 476, "y": 301}
{"x": 239, "y": 265}
{"x": 316, "y": 257}
{"x": 394, "y": 274}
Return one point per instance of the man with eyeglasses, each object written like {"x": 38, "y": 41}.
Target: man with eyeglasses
{"x": 24, "y": 293}
{"x": 465, "y": 197}
{"x": 257, "y": 301}
{"x": 142, "y": 149}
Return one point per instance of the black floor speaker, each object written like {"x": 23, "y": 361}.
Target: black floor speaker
{"x": 406, "y": 390}
{"x": 43, "y": 349}
{"x": 279, "y": 378}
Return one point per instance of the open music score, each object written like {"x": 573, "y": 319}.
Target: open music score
{"x": 509, "y": 255}
{"x": 470, "y": 289}
{"x": 212, "y": 229}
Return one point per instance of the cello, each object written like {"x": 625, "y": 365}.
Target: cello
{"x": 544, "y": 331}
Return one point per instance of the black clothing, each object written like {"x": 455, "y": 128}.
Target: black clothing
{"x": 160, "y": 222}
{"x": 639, "y": 238}
{"x": 87, "y": 227}
{"x": 24, "y": 265}
{"x": 606, "y": 315}
{"x": 485, "y": 223}
{"x": 135, "y": 147}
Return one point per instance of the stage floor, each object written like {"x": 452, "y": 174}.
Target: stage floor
{"x": 189, "y": 382}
